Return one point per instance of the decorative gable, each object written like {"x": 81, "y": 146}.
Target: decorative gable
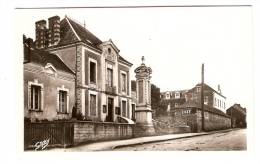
{"x": 110, "y": 51}
{"x": 50, "y": 69}
{"x": 110, "y": 54}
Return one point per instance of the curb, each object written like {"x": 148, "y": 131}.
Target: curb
{"x": 160, "y": 140}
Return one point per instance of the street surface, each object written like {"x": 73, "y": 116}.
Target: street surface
{"x": 232, "y": 140}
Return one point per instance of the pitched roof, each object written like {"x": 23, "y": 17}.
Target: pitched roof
{"x": 238, "y": 108}
{"x": 43, "y": 57}
{"x": 124, "y": 60}
{"x": 72, "y": 32}
{"x": 85, "y": 35}
{"x": 179, "y": 91}
{"x": 207, "y": 87}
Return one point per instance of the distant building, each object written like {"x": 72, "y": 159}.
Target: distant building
{"x": 212, "y": 97}
{"x": 173, "y": 99}
{"x": 238, "y": 116}
{"x": 184, "y": 108}
{"x": 101, "y": 75}
{"x": 49, "y": 85}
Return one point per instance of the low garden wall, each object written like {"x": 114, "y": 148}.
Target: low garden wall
{"x": 69, "y": 133}
{"x": 98, "y": 131}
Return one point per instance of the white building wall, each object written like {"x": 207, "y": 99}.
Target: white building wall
{"x": 219, "y": 102}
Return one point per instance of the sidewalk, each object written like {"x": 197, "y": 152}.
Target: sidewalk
{"x": 109, "y": 145}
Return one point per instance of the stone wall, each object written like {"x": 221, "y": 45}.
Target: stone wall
{"x": 192, "y": 118}
{"x": 167, "y": 124}
{"x": 214, "y": 121}
{"x": 97, "y": 131}
{"x": 50, "y": 83}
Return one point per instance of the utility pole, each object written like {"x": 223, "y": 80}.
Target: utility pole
{"x": 202, "y": 98}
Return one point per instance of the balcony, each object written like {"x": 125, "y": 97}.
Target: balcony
{"x": 110, "y": 89}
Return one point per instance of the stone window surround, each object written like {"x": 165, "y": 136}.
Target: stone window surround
{"x": 36, "y": 83}
{"x": 110, "y": 66}
{"x": 93, "y": 61}
{"x": 62, "y": 88}
{"x": 126, "y": 109}
{"x": 121, "y": 81}
{"x": 92, "y": 93}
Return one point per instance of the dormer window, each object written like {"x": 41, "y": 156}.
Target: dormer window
{"x": 198, "y": 89}
{"x": 167, "y": 95}
{"x": 177, "y": 95}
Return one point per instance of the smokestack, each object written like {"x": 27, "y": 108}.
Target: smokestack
{"x": 219, "y": 90}
{"x": 40, "y": 34}
{"x": 54, "y": 30}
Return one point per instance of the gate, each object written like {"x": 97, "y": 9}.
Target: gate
{"x": 56, "y": 133}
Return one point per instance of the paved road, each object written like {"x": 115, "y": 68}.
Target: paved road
{"x": 232, "y": 140}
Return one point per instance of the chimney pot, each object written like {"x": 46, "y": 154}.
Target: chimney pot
{"x": 219, "y": 90}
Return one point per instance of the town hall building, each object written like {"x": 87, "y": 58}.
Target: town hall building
{"x": 101, "y": 76}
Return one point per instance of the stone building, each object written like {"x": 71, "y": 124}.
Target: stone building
{"x": 183, "y": 108}
{"x": 173, "y": 99}
{"x": 102, "y": 75}
{"x": 238, "y": 116}
{"x": 49, "y": 85}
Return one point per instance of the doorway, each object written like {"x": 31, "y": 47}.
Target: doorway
{"x": 110, "y": 107}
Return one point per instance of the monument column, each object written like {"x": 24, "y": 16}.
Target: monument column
{"x": 143, "y": 112}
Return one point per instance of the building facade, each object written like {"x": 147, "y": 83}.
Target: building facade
{"x": 183, "y": 108}
{"x": 238, "y": 116}
{"x": 102, "y": 75}
{"x": 173, "y": 99}
{"x": 49, "y": 85}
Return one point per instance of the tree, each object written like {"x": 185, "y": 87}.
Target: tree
{"x": 155, "y": 97}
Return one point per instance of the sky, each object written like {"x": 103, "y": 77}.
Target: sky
{"x": 175, "y": 41}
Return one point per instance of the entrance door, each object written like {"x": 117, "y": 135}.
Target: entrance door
{"x": 133, "y": 112}
{"x": 110, "y": 106}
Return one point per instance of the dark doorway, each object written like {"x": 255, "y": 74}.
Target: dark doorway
{"x": 110, "y": 107}
{"x": 133, "y": 112}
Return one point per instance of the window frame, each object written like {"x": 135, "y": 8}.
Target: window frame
{"x": 89, "y": 71}
{"x": 206, "y": 100}
{"x": 198, "y": 89}
{"x": 35, "y": 83}
{"x": 167, "y": 95}
{"x": 110, "y": 67}
{"x": 123, "y": 73}
{"x": 62, "y": 89}
{"x": 126, "y": 110}
{"x": 177, "y": 95}
{"x": 89, "y": 103}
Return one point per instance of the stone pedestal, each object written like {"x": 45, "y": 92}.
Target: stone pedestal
{"x": 143, "y": 113}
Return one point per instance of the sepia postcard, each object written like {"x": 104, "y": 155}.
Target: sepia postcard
{"x": 135, "y": 77}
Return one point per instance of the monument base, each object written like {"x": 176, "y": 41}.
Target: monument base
{"x": 143, "y": 130}
{"x": 144, "y": 125}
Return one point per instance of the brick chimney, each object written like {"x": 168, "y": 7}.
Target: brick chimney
{"x": 219, "y": 90}
{"x": 27, "y": 48}
{"x": 40, "y": 34}
{"x": 54, "y": 30}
